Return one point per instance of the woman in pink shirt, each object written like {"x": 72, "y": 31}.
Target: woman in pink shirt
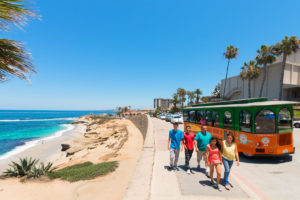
{"x": 213, "y": 158}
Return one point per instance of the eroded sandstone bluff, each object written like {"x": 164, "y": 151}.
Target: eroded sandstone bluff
{"x": 103, "y": 136}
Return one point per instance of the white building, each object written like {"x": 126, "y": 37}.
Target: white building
{"x": 236, "y": 88}
{"x": 163, "y": 104}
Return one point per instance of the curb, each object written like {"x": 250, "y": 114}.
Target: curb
{"x": 140, "y": 182}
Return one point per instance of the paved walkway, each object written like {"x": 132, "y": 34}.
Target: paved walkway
{"x": 178, "y": 184}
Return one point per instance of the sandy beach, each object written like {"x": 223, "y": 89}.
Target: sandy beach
{"x": 45, "y": 150}
{"x": 126, "y": 150}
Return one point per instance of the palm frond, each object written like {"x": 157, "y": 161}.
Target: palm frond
{"x": 15, "y": 12}
{"x": 14, "y": 60}
{"x": 231, "y": 52}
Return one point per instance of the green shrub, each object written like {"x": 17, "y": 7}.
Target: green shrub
{"x": 84, "y": 171}
{"x": 27, "y": 168}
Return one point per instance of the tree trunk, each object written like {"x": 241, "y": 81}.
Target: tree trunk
{"x": 249, "y": 88}
{"x": 264, "y": 80}
{"x": 282, "y": 75}
{"x": 226, "y": 79}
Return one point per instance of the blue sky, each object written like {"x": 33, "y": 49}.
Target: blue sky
{"x": 102, "y": 54}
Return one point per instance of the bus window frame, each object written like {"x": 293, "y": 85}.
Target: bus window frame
{"x": 251, "y": 120}
{"x": 275, "y": 124}
{"x": 232, "y": 117}
{"x": 277, "y": 121}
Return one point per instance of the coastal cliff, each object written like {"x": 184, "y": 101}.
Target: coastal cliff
{"x": 104, "y": 137}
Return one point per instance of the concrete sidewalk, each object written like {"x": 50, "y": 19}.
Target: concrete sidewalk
{"x": 152, "y": 180}
{"x": 178, "y": 184}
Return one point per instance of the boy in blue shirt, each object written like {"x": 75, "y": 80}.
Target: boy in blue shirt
{"x": 175, "y": 139}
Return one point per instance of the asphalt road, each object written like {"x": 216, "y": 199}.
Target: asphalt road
{"x": 273, "y": 178}
{"x": 264, "y": 178}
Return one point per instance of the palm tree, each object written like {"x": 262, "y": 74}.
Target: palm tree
{"x": 217, "y": 91}
{"x": 286, "y": 47}
{"x": 181, "y": 93}
{"x": 266, "y": 55}
{"x": 175, "y": 101}
{"x": 205, "y": 99}
{"x": 230, "y": 53}
{"x": 198, "y": 93}
{"x": 191, "y": 97}
{"x": 119, "y": 109}
{"x": 249, "y": 72}
{"x": 14, "y": 60}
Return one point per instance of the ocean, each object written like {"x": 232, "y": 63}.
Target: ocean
{"x": 21, "y": 129}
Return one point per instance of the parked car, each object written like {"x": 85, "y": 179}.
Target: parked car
{"x": 169, "y": 117}
{"x": 163, "y": 117}
{"x": 297, "y": 124}
{"x": 177, "y": 119}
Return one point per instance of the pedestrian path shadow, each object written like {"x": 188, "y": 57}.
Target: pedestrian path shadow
{"x": 199, "y": 184}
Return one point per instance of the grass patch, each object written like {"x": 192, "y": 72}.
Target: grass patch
{"x": 84, "y": 171}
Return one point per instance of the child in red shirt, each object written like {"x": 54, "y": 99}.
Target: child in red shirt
{"x": 188, "y": 142}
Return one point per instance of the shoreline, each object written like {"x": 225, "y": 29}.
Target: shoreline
{"x": 46, "y": 149}
{"x": 116, "y": 140}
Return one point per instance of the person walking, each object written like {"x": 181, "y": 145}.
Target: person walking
{"x": 188, "y": 142}
{"x": 214, "y": 160}
{"x": 174, "y": 145}
{"x": 201, "y": 141}
{"x": 229, "y": 155}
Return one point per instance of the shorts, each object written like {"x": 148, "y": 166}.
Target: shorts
{"x": 216, "y": 164}
{"x": 201, "y": 155}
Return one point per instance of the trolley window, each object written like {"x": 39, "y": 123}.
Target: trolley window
{"x": 227, "y": 120}
{"x": 185, "y": 116}
{"x": 215, "y": 119}
{"x": 200, "y": 116}
{"x": 245, "y": 121}
{"x": 265, "y": 122}
{"x": 192, "y": 116}
{"x": 208, "y": 118}
{"x": 284, "y": 119}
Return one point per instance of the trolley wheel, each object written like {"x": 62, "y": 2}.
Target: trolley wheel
{"x": 297, "y": 125}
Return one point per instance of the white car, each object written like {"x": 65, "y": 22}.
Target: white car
{"x": 297, "y": 124}
{"x": 177, "y": 119}
{"x": 163, "y": 117}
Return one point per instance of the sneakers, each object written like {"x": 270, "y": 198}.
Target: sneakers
{"x": 198, "y": 167}
{"x": 188, "y": 172}
{"x": 206, "y": 173}
{"x": 217, "y": 187}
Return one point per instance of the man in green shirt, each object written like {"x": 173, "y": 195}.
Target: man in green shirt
{"x": 202, "y": 139}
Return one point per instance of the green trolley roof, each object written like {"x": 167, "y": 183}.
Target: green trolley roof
{"x": 240, "y": 101}
{"x": 244, "y": 104}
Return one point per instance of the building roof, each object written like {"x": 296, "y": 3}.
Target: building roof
{"x": 264, "y": 103}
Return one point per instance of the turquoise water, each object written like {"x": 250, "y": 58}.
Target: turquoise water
{"x": 19, "y": 127}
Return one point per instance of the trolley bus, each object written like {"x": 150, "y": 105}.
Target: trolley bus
{"x": 261, "y": 127}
